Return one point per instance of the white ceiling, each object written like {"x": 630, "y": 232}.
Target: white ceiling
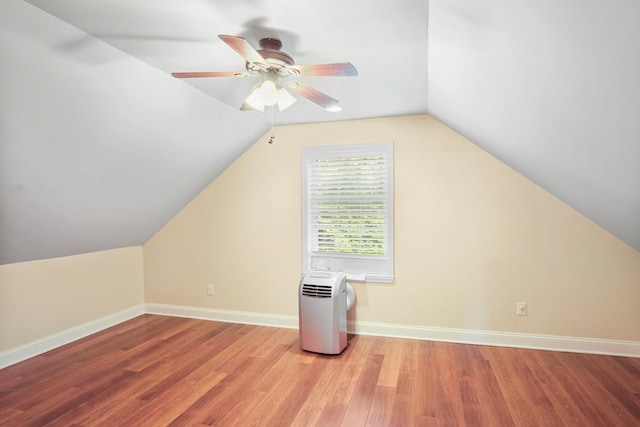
{"x": 100, "y": 146}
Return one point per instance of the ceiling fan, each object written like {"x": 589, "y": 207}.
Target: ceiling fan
{"x": 276, "y": 68}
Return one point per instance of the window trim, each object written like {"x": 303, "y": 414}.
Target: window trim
{"x": 358, "y": 268}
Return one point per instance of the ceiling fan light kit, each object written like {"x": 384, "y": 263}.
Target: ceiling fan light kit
{"x": 269, "y": 93}
{"x": 276, "y": 67}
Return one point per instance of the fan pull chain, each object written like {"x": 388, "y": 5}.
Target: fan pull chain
{"x": 272, "y": 137}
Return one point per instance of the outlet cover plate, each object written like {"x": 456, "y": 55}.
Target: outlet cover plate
{"x": 521, "y": 309}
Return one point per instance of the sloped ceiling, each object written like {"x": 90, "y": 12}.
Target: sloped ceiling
{"x": 551, "y": 88}
{"x": 100, "y": 146}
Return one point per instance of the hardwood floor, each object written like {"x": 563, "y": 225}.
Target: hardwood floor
{"x": 156, "y": 371}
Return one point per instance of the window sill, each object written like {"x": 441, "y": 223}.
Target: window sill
{"x": 369, "y": 278}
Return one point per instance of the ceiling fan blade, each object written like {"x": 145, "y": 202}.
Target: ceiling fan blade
{"x": 314, "y": 95}
{"x": 337, "y": 69}
{"x": 195, "y": 74}
{"x": 240, "y": 45}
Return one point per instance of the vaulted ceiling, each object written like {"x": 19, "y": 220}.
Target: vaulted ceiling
{"x": 100, "y": 146}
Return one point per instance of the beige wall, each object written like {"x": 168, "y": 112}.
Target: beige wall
{"x": 41, "y": 298}
{"x": 472, "y": 237}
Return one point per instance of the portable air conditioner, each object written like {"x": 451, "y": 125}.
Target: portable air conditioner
{"x": 323, "y": 305}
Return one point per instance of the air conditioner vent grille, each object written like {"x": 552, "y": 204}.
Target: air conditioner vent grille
{"x": 316, "y": 291}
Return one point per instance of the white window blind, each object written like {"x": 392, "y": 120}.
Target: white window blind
{"x": 348, "y": 210}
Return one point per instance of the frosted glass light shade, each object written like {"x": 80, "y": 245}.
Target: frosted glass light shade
{"x": 267, "y": 94}
{"x": 264, "y": 95}
{"x": 285, "y": 99}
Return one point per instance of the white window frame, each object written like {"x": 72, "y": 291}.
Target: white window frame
{"x": 358, "y": 267}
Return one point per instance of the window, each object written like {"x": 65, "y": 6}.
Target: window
{"x": 347, "y": 208}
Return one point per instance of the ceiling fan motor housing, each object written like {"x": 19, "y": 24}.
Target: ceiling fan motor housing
{"x": 277, "y": 60}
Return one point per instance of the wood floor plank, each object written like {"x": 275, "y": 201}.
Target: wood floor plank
{"x": 47, "y": 410}
{"x": 9, "y": 415}
{"x": 230, "y": 394}
{"x": 523, "y": 393}
{"x": 428, "y": 404}
{"x": 601, "y": 375}
{"x": 358, "y": 408}
{"x": 449, "y": 410}
{"x": 390, "y": 368}
{"x": 564, "y": 407}
{"x": 589, "y": 402}
{"x": 402, "y": 410}
{"x": 157, "y": 371}
{"x": 356, "y": 355}
{"x": 332, "y": 415}
{"x": 284, "y": 411}
{"x": 173, "y": 402}
{"x": 334, "y": 370}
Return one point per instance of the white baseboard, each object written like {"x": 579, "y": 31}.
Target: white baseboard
{"x": 463, "y": 336}
{"x": 228, "y": 316}
{"x": 34, "y": 348}
{"x": 500, "y": 339}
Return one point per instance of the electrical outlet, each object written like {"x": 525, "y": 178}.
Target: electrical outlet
{"x": 521, "y": 309}
{"x": 209, "y": 289}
